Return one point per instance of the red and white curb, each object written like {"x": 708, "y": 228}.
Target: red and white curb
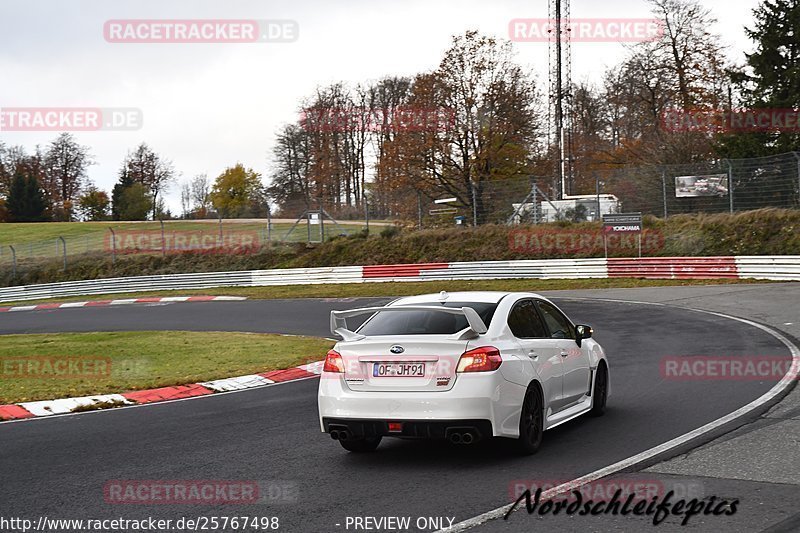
{"x": 101, "y": 401}
{"x": 124, "y": 301}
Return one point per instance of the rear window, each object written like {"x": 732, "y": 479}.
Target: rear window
{"x": 425, "y": 322}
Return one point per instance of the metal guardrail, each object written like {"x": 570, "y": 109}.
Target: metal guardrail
{"x": 785, "y": 268}
{"x": 778, "y": 268}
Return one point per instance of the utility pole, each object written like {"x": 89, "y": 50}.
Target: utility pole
{"x": 597, "y": 193}
{"x": 560, "y": 59}
{"x": 419, "y": 209}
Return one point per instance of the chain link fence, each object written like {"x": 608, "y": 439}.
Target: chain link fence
{"x": 660, "y": 190}
{"x": 110, "y": 241}
{"x": 663, "y": 191}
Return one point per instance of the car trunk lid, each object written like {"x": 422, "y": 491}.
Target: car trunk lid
{"x": 410, "y": 363}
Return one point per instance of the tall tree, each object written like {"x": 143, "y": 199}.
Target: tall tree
{"x": 124, "y": 182}
{"x": 199, "y": 190}
{"x": 11, "y": 159}
{"x": 145, "y": 166}
{"x": 67, "y": 162}
{"x": 291, "y": 186}
{"x": 682, "y": 70}
{"x": 387, "y": 98}
{"x": 135, "y": 202}
{"x": 691, "y": 54}
{"x": 488, "y": 122}
{"x": 234, "y": 190}
{"x": 771, "y": 78}
{"x": 186, "y": 200}
{"x": 25, "y": 200}
{"x": 6, "y": 173}
{"x": 93, "y": 204}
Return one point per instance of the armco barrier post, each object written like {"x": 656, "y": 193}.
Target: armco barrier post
{"x": 730, "y": 184}
{"x": 113, "y": 246}
{"x": 419, "y": 210}
{"x": 321, "y": 218}
{"x": 269, "y": 226}
{"x": 797, "y": 156}
{"x": 13, "y": 261}
{"x": 474, "y": 205}
{"x": 163, "y": 250}
{"x": 64, "y": 244}
{"x": 366, "y": 214}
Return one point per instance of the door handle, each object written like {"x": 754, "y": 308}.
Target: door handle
{"x": 564, "y": 353}
{"x": 532, "y": 354}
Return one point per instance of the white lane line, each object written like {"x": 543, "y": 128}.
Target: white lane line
{"x": 787, "y": 380}
{"x": 124, "y": 301}
{"x": 23, "y": 308}
{"x": 74, "y": 304}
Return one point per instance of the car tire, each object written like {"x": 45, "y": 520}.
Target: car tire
{"x": 600, "y": 392}
{"x": 531, "y": 422}
{"x": 365, "y": 444}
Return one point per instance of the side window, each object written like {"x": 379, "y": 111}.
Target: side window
{"x": 524, "y": 321}
{"x": 557, "y": 323}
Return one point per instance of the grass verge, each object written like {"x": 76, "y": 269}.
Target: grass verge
{"x": 761, "y": 232}
{"x": 142, "y": 360}
{"x": 357, "y": 290}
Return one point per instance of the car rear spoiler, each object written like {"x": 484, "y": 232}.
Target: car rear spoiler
{"x": 339, "y": 323}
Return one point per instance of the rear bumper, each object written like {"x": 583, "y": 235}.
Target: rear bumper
{"x": 421, "y": 429}
{"x": 488, "y": 402}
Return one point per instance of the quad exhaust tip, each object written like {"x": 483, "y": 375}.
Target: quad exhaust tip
{"x": 466, "y": 437}
{"x": 340, "y": 434}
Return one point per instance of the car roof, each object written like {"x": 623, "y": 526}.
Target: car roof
{"x": 465, "y": 296}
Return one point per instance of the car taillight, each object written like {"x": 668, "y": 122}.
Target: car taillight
{"x": 483, "y": 359}
{"x": 333, "y": 362}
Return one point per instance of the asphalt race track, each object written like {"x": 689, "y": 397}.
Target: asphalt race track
{"x": 57, "y": 466}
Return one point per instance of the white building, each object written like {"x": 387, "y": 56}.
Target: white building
{"x": 548, "y": 211}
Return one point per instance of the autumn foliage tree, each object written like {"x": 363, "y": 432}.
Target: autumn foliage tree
{"x": 93, "y": 204}
{"x": 234, "y": 190}
{"x": 485, "y": 128}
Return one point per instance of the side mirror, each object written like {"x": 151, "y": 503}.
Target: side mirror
{"x": 582, "y": 331}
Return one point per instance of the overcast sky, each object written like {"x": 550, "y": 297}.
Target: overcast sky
{"x": 208, "y": 106}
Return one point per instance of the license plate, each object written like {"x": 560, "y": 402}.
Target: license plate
{"x": 398, "y": 370}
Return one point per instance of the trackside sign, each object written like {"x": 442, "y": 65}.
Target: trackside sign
{"x": 622, "y": 223}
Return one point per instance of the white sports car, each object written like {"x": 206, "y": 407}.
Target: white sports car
{"x": 462, "y": 367}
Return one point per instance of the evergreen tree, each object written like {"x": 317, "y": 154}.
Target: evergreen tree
{"x": 118, "y": 193}
{"x": 26, "y": 201}
{"x": 771, "y": 79}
